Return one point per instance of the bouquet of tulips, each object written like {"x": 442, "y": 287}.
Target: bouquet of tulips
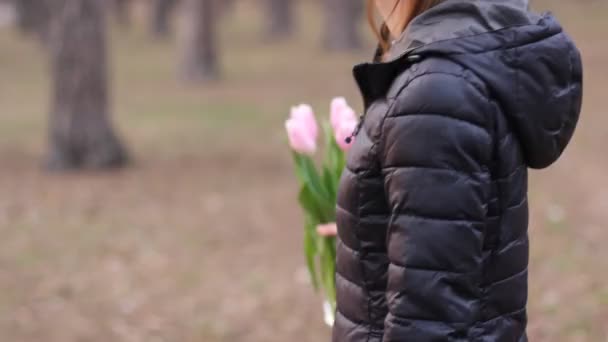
{"x": 319, "y": 186}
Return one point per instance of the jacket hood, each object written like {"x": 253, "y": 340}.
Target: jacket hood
{"x": 531, "y": 67}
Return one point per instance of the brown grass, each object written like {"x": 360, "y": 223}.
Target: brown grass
{"x": 200, "y": 239}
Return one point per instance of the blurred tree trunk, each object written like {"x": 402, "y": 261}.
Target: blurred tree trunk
{"x": 280, "y": 19}
{"x": 342, "y": 19}
{"x": 121, "y": 10}
{"x": 160, "y": 17}
{"x": 80, "y": 131}
{"x": 33, "y": 16}
{"x": 26, "y": 10}
{"x": 199, "y": 61}
{"x": 226, "y": 6}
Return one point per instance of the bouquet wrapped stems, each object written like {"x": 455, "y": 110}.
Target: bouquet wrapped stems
{"x": 319, "y": 187}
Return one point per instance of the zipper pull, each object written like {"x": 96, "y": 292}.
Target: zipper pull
{"x": 412, "y": 59}
{"x": 350, "y": 138}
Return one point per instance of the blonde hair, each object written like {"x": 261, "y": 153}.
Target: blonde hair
{"x": 382, "y": 33}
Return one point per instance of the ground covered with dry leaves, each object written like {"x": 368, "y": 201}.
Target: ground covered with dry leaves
{"x": 199, "y": 239}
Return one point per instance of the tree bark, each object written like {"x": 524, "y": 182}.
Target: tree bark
{"x": 25, "y": 10}
{"x": 342, "y": 24}
{"x": 33, "y": 17}
{"x": 199, "y": 61}
{"x": 280, "y": 22}
{"x": 80, "y": 130}
{"x": 121, "y": 10}
{"x": 160, "y": 17}
{"x": 226, "y": 6}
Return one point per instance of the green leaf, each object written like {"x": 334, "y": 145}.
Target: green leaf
{"x": 310, "y": 251}
{"x": 307, "y": 174}
{"x": 323, "y": 211}
{"x": 301, "y": 170}
{"x": 330, "y": 182}
{"x": 328, "y": 268}
{"x": 330, "y": 142}
{"x": 339, "y": 160}
{"x": 310, "y": 204}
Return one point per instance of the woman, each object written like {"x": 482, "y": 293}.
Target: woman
{"x": 432, "y": 216}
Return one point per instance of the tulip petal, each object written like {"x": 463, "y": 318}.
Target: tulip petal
{"x": 343, "y": 131}
{"x": 305, "y": 114}
{"x": 300, "y": 138}
{"x": 341, "y": 111}
{"x": 335, "y": 109}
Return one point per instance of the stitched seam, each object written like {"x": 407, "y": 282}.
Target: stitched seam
{"x": 505, "y": 314}
{"x": 339, "y": 312}
{"x": 492, "y": 32}
{"x": 373, "y": 151}
{"x": 514, "y": 243}
{"x": 462, "y": 76}
{"x": 512, "y": 276}
{"x": 402, "y": 88}
{"x": 354, "y": 172}
{"x": 354, "y": 251}
{"x": 379, "y": 144}
{"x": 378, "y": 149}
{"x": 408, "y": 82}
{"x": 374, "y": 218}
{"x": 392, "y": 168}
{"x": 404, "y": 318}
{"x": 354, "y": 322}
{"x": 508, "y": 48}
{"x": 500, "y": 30}
{"x": 475, "y": 124}
{"x": 509, "y": 134}
{"x": 514, "y": 206}
{"x": 510, "y": 175}
{"x": 426, "y": 269}
{"x": 382, "y": 139}
{"x": 469, "y": 175}
{"x": 440, "y": 219}
{"x": 339, "y": 274}
{"x": 339, "y": 208}
{"x": 366, "y": 290}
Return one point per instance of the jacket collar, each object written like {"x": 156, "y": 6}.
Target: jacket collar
{"x": 453, "y": 26}
{"x": 460, "y": 18}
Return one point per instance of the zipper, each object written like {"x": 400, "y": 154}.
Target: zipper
{"x": 350, "y": 138}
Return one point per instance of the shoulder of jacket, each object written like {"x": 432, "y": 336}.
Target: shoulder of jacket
{"x": 439, "y": 84}
{"x": 437, "y": 77}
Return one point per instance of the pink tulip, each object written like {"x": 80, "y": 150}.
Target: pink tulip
{"x": 345, "y": 130}
{"x": 343, "y": 121}
{"x": 340, "y": 111}
{"x": 304, "y": 113}
{"x": 302, "y": 130}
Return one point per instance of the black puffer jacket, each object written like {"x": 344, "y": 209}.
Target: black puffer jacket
{"x": 432, "y": 208}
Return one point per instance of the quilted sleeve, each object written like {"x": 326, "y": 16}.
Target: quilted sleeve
{"x": 434, "y": 151}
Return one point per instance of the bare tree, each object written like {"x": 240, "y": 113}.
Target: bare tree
{"x": 26, "y": 10}
{"x": 80, "y": 130}
{"x": 342, "y": 21}
{"x": 199, "y": 60}
{"x": 227, "y": 6}
{"x": 121, "y": 8}
{"x": 33, "y": 16}
{"x": 280, "y": 23}
{"x": 160, "y": 17}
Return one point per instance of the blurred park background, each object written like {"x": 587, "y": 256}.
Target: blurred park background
{"x": 162, "y": 208}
